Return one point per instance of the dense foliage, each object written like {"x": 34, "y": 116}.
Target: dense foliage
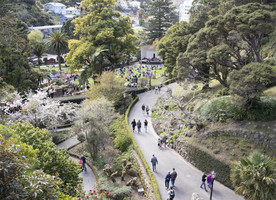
{"x": 106, "y": 37}
{"x": 162, "y": 17}
{"x": 49, "y": 159}
{"x": 14, "y": 48}
{"x": 255, "y": 177}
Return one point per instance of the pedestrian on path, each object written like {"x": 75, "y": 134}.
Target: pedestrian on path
{"x": 174, "y": 175}
{"x": 143, "y": 108}
{"x": 83, "y": 158}
{"x": 159, "y": 142}
{"x": 203, "y": 182}
{"x": 154, "y": 161}
{"x": 147, "y": 110}
{"x": 146, "y": 125}
{"x": 155, "y": 89}
{"x": 139, "y": 125}
{"x": 133, "y": 124}
{"x": 167, "y": 180}
{"x": 209, "y": 181}
{"x": 164, "y": 140}
{"x": 171, "y": 193}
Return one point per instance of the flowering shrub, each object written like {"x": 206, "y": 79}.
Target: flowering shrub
{"x": 37, "y": 109}
{"x": 98, "y": 194}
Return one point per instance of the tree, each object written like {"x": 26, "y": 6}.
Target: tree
{"x": 105, "y": 37}
{"x": 162, "y": 17}
{"x": 18, "y": 177}
{"x": 68, "y": 28}
{"x": 58, "y": 43}
{"x": 173, "y": 43}
{"x": 35, "y": 37}
{"x": 39, "y": 50}
{"x": 250, "y": 82}
{"x": 95, "y": 117}
{"x": 14, "y": 49}
{"x": 50, "y": 160}
{"x": 255, "y": 177}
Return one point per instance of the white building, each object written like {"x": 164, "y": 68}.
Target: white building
{"x": 72, "y": 11}
{"x": 57, "y": 8}
{"x": 148, "y": 53}
{"x": 184, "y": 9}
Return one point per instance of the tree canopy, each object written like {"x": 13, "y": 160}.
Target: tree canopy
{"x": 105, "y": 37}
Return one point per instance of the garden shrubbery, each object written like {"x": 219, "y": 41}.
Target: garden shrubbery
{"x": 221, "y": 108}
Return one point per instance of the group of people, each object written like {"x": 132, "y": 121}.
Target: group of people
{"x": 145, "y": 109}
{"x": 162, "y": 142}
{"x": 139, "y": 125}
{"x": 209, "y": 181}
{"x": 170, "y": 177}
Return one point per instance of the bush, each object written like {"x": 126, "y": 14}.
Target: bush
{"x": 221, "y": 108}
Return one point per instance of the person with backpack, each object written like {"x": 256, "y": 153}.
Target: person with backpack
{"x": 167, "y": 180}
{"x": 139, "y": 124}
{"x": 171, "y": 193}
{"x": 174, "y": 175}
{"x": 146, "y": 125}
{"x": 203, "y": 182}
{"x": 209, "y": 181}
{"x": 133, "y": 124}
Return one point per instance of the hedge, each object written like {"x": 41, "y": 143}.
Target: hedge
{"x": 140, "y": 154}
{"x": 207, "y": 163}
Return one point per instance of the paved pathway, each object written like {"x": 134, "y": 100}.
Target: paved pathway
{"x": 189, "y": 177}
{"x": 89, "y": 179}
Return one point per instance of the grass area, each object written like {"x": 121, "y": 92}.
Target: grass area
{"x": 55, "y": 68}
{"x": 157, "y": 74}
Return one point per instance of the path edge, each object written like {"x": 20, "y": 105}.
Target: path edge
{"x": 140, "y": 154}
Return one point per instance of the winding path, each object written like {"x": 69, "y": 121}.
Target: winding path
{"x": 189, "y": 177}
{"x": 89, "y": 178}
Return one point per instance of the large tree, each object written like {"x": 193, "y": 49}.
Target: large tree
{"x": 162, "y": 17}
{"x": 105, "y": 37}
{"x": 59, "y": 44}
{"x": 255, "y": 177}
{"x": 14, "y": 49}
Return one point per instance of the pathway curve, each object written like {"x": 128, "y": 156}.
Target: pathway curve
{"x": 189, "y": 178}
{"x": 89, "y": 178}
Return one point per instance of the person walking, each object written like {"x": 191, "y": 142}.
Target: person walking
{"x": 146, "y": 125}
{"x": 83, "y": 158}
{"x": 154, "y": 161}
{"x": 133, "y": 124}
{"x": 159, "y": 142}
{"x": 139, "y": 125}
{"x": 155, "y": 89}
{"x": 171, "y": 193}
{"x": 173, "y": 177}
{"x": 147, "y": 110}
{"x": 167, "y": 180}
{"x": 143, "y": 108}
{"x": 203, "y": 182}
{"x": 209, "y": 181}
{"x": 164, "y": 140}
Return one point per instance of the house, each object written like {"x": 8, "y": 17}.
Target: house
{"x": 57, "y": 8}
{"x": 184, "y": 9}
{"x": 47, "y": 30}
{"x": 72, "y": 11}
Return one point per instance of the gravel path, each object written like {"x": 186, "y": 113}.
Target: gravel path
{"x": 189, "y": 177}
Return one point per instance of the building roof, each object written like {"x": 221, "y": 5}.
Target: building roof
{"x": 44, "y": 27}
{"x": 56, "y": 4}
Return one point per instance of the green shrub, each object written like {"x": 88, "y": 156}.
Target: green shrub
{"x": 132, "y": 171}
{"x": 221, "y": 108}
{"x": 121, "y": 193}
{"x": 216, "y": 151}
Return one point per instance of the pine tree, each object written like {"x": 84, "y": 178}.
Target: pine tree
{"x": 162, "y": 17}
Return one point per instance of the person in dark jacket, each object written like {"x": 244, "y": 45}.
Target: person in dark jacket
{"x": 146, "y": 125}
{"x": 139, "y": 125}
{"x": 83, "y": 158}
{"x": 154, "y": 161}
{"x": 203, "y": 182}
{"x": 133, "y": 124}
{"x": 167, "y": 180}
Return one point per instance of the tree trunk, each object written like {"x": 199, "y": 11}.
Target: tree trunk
{"x": 59, "y": 64}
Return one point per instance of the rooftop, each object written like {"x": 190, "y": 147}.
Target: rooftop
{"x": 44, "y": 27}
{"x": 56, "y": 4}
